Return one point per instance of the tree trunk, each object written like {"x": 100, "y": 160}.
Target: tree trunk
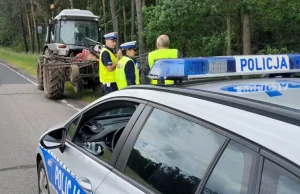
{"x": 29, "y": 27}
{"x": 113, "y": 8}
{"x": 71, "y": 4}
{"x": 239, "y": 34}
{"x": 246, "y": 35}
{"x": 143, "y": 3}
{"x": 157, "y": 2}
{"x": 34, "y": 26}
{"x": 132, "y": 19}
{"x": 228, "y": 35}
{"x": 24, "y": 34}
{"x": 32, "y": 34}
{"x": 125, "y": 20}
{"x": 138, "y": 4}
{"x": 104, "y": 16}
{"x": 86, "y": 4}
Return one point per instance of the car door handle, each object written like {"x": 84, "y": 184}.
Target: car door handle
{"x": 85, "y": 184}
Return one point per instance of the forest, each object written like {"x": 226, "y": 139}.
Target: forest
{"x": 195, "y": 27}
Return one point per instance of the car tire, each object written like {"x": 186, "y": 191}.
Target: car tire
{"x": 43, "y": 184}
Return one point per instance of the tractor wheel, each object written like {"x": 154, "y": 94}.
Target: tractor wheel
{"x": 40, "y": 75}
{"x": 53, "y": 79}
{"x": 54, "y": 82}
{"x": 98, "y": 89}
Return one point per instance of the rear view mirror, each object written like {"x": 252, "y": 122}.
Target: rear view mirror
{"x": 54, "y": 139}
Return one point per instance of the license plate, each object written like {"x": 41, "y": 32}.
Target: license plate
{"x": 217, "y": 66}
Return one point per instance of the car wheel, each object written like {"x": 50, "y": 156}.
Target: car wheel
{"x": 42, "y": 179}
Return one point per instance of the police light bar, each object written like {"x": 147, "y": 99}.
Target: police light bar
{"x": 189, "y": 68}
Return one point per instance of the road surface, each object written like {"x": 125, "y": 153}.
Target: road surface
{"x": 24, "y": 115}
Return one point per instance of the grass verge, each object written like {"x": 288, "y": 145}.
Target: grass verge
{"x": 23, "y": 61}
{"x": 27, "y": 62}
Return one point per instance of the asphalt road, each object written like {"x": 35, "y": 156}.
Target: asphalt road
{"x": 24, "y": 115}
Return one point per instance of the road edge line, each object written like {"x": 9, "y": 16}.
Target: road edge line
{"x": 19, "y": 74}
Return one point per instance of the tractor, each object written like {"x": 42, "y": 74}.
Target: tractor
{"x": 70, "y": 54}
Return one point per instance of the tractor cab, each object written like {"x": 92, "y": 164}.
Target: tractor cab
{"x": 74, "y": 29}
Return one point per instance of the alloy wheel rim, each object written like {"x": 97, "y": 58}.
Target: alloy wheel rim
{"x": 43, "y": 182}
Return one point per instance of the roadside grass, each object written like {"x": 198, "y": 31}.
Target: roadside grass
{"x": 86, "y": 95}
{"x": 27, "y": 62}
{"x": 24, "y": 61}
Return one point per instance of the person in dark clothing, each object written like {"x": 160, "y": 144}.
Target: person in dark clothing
{"x": 126, "y": 72}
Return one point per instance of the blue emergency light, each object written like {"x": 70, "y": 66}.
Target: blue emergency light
{"x": 220, "y": 66}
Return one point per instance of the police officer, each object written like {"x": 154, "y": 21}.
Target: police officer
{"x": 126, "y": 72}
{"x": 108, "y": 62}
{"x": 163, "y": 52}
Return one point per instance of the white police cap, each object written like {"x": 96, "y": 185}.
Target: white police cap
{"x": 128, "y": 45}
{"x": 111, "y": 36}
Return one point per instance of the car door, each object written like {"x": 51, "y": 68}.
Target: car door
{"x": 94, "y": 140}
{"x": 165, "y": 153}
{"x": 170, "y": 152}
{"x": 277, "y": 175}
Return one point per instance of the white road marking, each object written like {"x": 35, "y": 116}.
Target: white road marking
{"x": 19, "y": 74}
{"x": 63, "y": 101}
{"x": 70, "y": 105}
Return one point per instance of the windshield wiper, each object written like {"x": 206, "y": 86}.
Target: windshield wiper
{"x": 91, "y": 40}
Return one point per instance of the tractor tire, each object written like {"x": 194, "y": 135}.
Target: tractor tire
{"x": 53, "y": 79}
{"x": 54, "y": 83}
{"x": 40, "y": 80}
{"x": 98, "y": 89}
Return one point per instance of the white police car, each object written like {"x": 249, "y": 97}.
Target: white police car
{"x": 232, "y": 136}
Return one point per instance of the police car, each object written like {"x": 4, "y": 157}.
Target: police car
{"x": 217, "y": 134}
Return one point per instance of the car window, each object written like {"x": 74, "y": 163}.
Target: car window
{"x": 101, "y": 127}
{"x": 72, "y": 128}
{"x": 117, "y": 111}
{"x": 232, "y": 172}
{"x": 172, "y": 154}
{"x": 277, "y": 180}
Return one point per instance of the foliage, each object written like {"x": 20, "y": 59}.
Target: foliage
{"x": 269, "y": 50}
{"x": 195, "y": 27}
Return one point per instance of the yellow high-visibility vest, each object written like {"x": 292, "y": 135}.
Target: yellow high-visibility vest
{"x": 105, "y": 75}
{"x": 120, "y": 73}
{"x": 162, "y": 54}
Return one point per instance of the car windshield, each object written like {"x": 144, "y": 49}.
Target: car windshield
{"x": 77, "y": 32}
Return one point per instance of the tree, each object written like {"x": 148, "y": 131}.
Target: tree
{"x": 138, "y": 4}
{"x": 71, "y": 4}
{"x": 246, "y": 34}
{"x": 29, "y": 25}
{"x": 113, "y": 10}
{"x": 247, "y": 7}
{"x": 104, "y": 16}
{"x": 132, "y": 19}
{"x": 24, "y": 33}
{"x": 195, "y": 27}
{"x": 33, "y": 11}
{"x": 125, "y": 20}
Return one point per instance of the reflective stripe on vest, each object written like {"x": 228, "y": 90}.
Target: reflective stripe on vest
{"x": 104, "y": 74}
{"x": 120, "y": 73}
{"x": 162, "y": 54}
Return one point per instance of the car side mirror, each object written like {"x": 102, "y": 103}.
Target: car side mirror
{"x": 54, "y": 138}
